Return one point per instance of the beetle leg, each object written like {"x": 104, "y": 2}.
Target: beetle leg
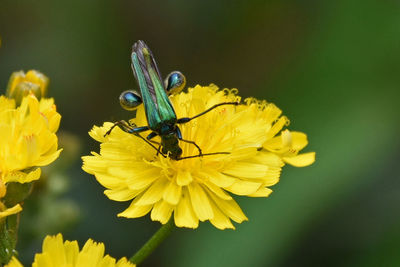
{"x": 179, "y": 135}
{"x": 193, "y": 143}
{"x": 151, "y": 135}
{"x": 126, "y": 127}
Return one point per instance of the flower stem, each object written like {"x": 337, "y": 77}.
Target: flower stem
{"x": 153, "y": 242}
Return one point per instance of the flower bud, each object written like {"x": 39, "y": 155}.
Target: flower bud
{"x": 21, "y": 84}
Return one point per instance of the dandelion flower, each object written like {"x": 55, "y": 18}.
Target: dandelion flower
{"x": 27, "y": 139}
{"x": 200, "y": 188}
{"x": 57, "y": 253}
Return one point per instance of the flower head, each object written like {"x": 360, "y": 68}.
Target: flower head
{"x": 27, "y": 139}
{"x": 199, "y": 188}
{"x": 21, "y": 84}
{"x": 56, "y": 252}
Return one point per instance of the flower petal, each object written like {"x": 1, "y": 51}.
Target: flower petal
{"x": 183, "y": 178}
{"x": 301, "y": 160}
{"x": 184, "y": 214}
{"x": 247, "y": 170}
{"x": 23, "y": 177}
{"x": 231, "y": 209}
{"x": 282, "y": 121}
{"x": 217, "y": 191}
{"x": 220, "y": 220}
{"x": 10, "y": 211}
{"x": 153, "y": 194}
{"x": 134, "y": 211}
{"x": 299, "y": 140}
{"x": 261, "y": 192}
{"x": 172, "y": 193}
{"x": 162, "y": 212}
{"x": 243, "y": 188}
{"x": 200, "y": 202}
{"x": 121, "y": 194}
{"x": 14, "y": 263}
{"x": 217, "y": 178}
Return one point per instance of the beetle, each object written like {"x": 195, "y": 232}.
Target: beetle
{"x": 160, "y": 114}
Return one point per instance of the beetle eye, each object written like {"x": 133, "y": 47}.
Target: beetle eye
{"x": 175, "y": 82}
{"x": 130, "y": 100}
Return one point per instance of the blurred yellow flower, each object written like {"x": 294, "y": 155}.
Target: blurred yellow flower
{"x": 21, "y": 85}
{"x": 27, "y": 141}
{"x": 57, "y": 253}
{"x": 197, "y": 189}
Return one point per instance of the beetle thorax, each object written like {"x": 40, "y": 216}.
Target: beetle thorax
{"x": 167, "y": 129}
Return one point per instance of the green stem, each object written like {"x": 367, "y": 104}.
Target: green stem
{"x": 153, "y": 242}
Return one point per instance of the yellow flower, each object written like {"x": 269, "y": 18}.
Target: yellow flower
{"x": 21, "y": 84}
{"x": 198, "y": 189}
{"x": 27, "y": 140}
{"x": 57, "y": 253}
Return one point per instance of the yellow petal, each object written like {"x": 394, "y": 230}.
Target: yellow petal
{"x": 231, "y": 209}
{"x": 243, "y": 188}
{"x": 220, "y": 220}
{"x": 161, "y": 212}
{"x": 134, "y": 211}
{"x": 218, "y": 178}
{"x": 183, "y": 178}
{"x": 71, "y": 251}
{"x": 184, "y": 214}
{"x": 142, "y": 183}
{"x": 91, "y": 254}
{"x": 271, "y": 113}
{"x": 121, "y": 194}
{"x": 282, "y": 121}
{"x": 269, "y": 159}
{"x": 172, "y": 193}
{"x": 299, "y": 140}
{"x": 261, "y": 192}
{"x": 247, "y": 170}
{"x": 14, "y": 263}
{"x": 97, "y": 133}
{"x": 123, "y": 262}
{"x": 286, "y": 138}
{"x": 54, "y": 247}
{"x": 272, "y": 177}
{"x": 54, "y": 122}
{"x": 301, "y": 160}
{"x": 94, "y": 163}
{"x": 109, "y": 181}
{"x": 22, "y": 177}
{"x": 153, "y": 194}
{"x": 15, "y": 209}
{"x": 200, "y": 202}
{"x": 46, "y": 160}
{"x": 217, "y": 191}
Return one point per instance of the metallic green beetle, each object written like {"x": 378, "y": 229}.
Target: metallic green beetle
{"x": 160, "y": 114}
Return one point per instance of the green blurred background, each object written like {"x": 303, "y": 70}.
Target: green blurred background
{"x": 332, "y": 66}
